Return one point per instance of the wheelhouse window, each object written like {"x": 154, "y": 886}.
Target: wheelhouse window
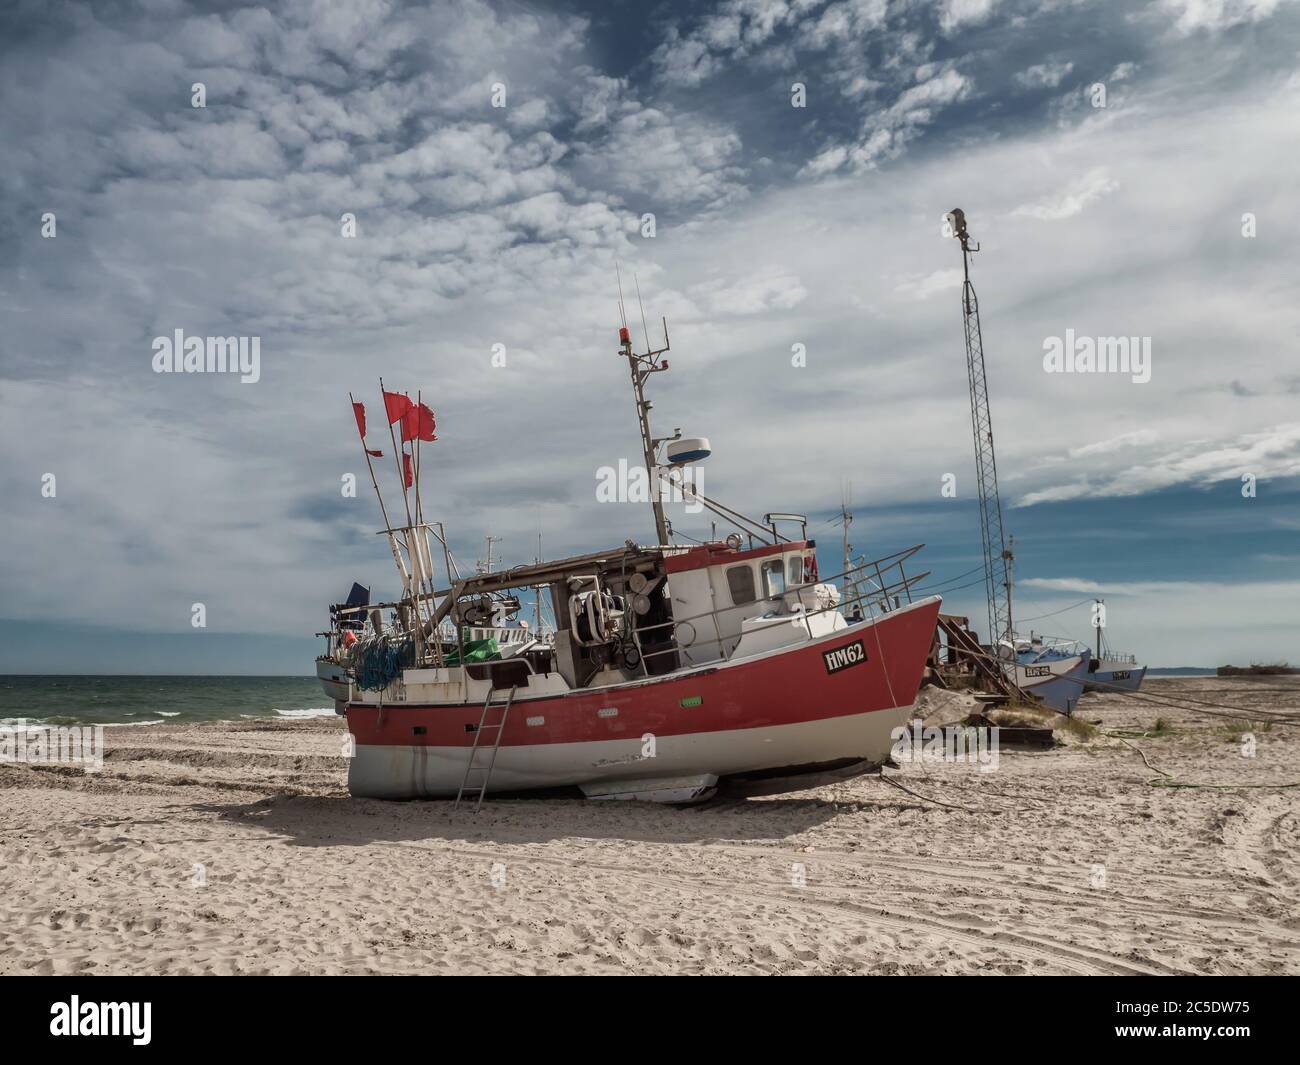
{"x": 794, "y": 567}
{"x": 740, "y": 582}
{"x": 774, "y": 577}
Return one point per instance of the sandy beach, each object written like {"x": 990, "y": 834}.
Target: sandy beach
{"x": 234, "y": 848}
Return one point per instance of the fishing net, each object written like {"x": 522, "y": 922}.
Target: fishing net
{"x": 378, "y": 662}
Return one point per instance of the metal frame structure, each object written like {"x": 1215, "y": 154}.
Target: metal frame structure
{"x": 998, "y": 555}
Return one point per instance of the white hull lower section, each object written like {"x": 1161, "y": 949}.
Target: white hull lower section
{"x": 621, "y": 768}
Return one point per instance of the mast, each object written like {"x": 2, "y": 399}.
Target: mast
{"x": 1097, "y": 625}
{"x": 998, "y": 555}
{"x": 537, "y": 591}
{"x": 416, "y": 580}
{"x": 388, "y": 525}
{"x": 846, "y": 519}
{"x": 485, "y": 566}
{"x": 641, "y": 367}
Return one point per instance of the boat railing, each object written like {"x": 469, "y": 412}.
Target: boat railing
{"x": 874, "y": 588}
{"x": 1054, "y": 646}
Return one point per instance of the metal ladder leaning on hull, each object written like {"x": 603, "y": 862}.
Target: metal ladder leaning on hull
{"x": 472, "y": 765}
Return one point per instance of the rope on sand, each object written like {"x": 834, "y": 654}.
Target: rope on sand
{"x": 1166, "y": 779}
{"x": 926, "y": 798}
{"x": 1238, "y": 713}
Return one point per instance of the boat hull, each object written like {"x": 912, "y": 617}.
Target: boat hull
{"x": 835, "y": 698}
{"x": 390, "y": 772}
{"x": 1057, "y": 683}
{"x": 335, "y": 681}
{"x": 1112, "y": 676}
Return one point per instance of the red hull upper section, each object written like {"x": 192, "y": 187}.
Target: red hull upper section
{"x": 781, "y": 688}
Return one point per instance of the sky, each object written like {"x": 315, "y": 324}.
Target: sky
{"x": 500, "y": 160}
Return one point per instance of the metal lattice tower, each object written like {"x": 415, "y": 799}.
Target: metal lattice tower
{"x": 997, "y": 553}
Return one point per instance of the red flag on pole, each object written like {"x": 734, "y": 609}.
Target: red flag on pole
{"x": 359, "y": 412}
{"x": 408, "y": 469}
{"x": 396, "y": 405}
{"x": 418, "y": 424}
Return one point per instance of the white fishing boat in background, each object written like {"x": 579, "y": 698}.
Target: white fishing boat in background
{"x": 1050, "y": 670}
{"x": 1115, "y": 672}
{"x": 1110, "y": 670}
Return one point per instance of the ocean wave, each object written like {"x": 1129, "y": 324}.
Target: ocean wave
{"x": 316, "y": 711}
{"x": 32, "y": 725}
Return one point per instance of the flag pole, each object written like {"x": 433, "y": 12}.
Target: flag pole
{"x": 412, "y": 548}
{"x": 388, "y": 525}
{"x": 397, "y": 452}
{"x": 422, "y": 535}
{"x": 419, "y": 510}
{"x": 419, "y": 503}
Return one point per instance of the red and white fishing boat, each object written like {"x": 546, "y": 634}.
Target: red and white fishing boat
{"x": 672, "y": 667}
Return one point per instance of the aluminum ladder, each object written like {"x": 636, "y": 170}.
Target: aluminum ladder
{"x": 473, "y": 766}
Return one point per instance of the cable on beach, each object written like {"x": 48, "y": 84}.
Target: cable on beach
{"x": 1166, "y": 779}
{"x": 1238, "y": 713}
{"x": 925, "y": 798}
{"x": 1000, "y": 795}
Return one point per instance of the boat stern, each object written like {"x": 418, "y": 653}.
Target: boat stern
{"x": 335, "y": 680}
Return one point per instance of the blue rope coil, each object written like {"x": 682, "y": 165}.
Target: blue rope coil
{"x": 378, "y": 663}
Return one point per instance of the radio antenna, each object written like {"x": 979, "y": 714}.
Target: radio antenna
{"x": 622, "y": 314}
{"x": 645, "y": 329}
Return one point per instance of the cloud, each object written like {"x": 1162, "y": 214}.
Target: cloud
{"x": 765, "y": 33}
{"x": 1263, "y": 455}
{"x": 732, "y": 31}
{"x": 961, "y": 12}
{"x": 481, "y": 227}
{"x": 648, "y": 152}
{"x": 926, "y": 285}
{"x": 1064, "y": 584}
{"x": 1044, "y": 75}
{"x": 756, "y": 294}
{"x": 1207, "y": 622}
{"x": 1215, "y": 16}
{"x": 887, "y": 133}
{"x": 1086, "y": 189}
{"x": 1104, "y": 447}
{"x": 685, "y": 62}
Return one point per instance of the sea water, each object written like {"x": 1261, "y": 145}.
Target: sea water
{"x": 118, "y": 700}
